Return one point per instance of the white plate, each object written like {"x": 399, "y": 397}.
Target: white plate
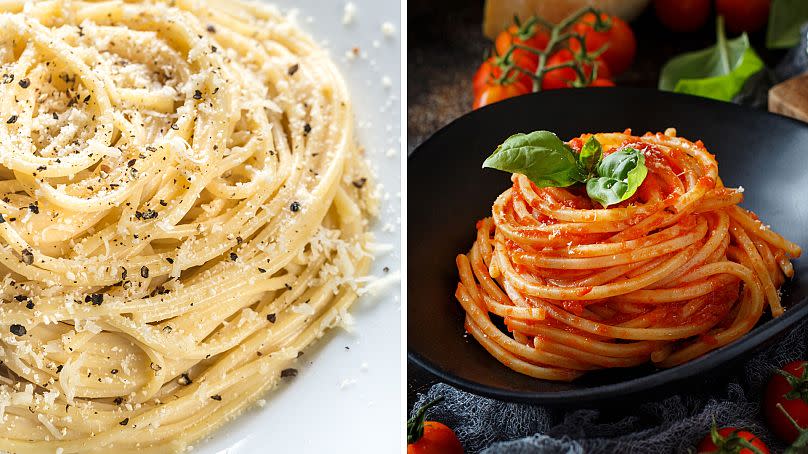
{"x": 347, "y": 397}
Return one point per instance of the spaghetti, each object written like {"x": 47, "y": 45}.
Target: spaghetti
{"x": 184, "y": 210}
{"x": 673, "y": 272}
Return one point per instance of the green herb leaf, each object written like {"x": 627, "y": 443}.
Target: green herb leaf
{"x": 785, "y": 19}
{"x": 590, "y": 157}
{"x": 619, "y": 176}
{"x": 541, "y": 156}
{"x": 717, "y": 72}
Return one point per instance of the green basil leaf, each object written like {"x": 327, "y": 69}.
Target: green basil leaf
{"x": 590, "y": 156}
{"x": 541, "y": 156}
{"x": 619, "y": 176}
{"x": 717, "y": 72}
{"x": 785, "y": 19}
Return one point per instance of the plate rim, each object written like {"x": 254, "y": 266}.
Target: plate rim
{"x": 749, "y": 343}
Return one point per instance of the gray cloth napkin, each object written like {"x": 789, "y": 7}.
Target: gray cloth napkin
{"x": 671, "y": 425}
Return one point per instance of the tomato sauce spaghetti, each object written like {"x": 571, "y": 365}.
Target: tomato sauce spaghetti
{"x": 676, "y": 270}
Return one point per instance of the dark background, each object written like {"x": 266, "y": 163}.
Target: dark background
{"x": 445, "y": 46}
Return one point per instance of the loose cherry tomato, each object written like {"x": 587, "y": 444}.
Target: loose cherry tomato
{"x": 622, "y": 44}
{"x": 743, "y": 15}
{"x": 430, "y": 437}
{"x": 682, "y": 15}
{"x": 564, "y": 77}
{"x": 789, "y": 388}
{"x": 602, "y": 83}
{"x": 529, "y": 35}
{"x": 730, "y": 440}
{"x": 494, "y": 92}
{"x": 489, "y": 71}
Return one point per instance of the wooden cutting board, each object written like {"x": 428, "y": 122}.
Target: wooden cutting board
{"x": 790, "y": 98}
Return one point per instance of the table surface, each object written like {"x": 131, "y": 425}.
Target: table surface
{"x": 445, "y": 46}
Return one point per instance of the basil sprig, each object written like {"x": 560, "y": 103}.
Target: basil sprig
{"x": 548, "y": 162}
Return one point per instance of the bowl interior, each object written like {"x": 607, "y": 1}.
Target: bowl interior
{"x": 448, "y": 192}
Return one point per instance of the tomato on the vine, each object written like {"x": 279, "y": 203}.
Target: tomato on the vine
{"x": 494, "y": 92}
{"x": 743, "y": 15}
{"x": 490, "y": 71}
{"x": 789, "y": 388}
{"x": 430, "y": 437}
{"x": 564, "y": 77}
{"x": 682, "y": 15}
{"x": 531, "y": 35}
{"x": 602, "y": 83}
{"x": 620, "y": 40}
{"x": 729, "y": 440}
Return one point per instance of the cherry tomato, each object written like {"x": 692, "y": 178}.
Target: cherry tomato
{"x": 490, "y": 71}
{"x": 494, "y": 92}
{"x": 743, "y": 15}
{"x": 530, "y": 36}
{"x": 602, "y": 83}
{"x": 622, "y": 44}
{"x": 437, "y": 439}
{"x": 729, "y": 441}
{"x": 682, "y": 15}
{"x": 792, "y": 394}
{"x": 430, "y": 437}
{"x": 564, "y": 77}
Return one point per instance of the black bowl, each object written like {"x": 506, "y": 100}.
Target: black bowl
{"x": 448, "y": 192}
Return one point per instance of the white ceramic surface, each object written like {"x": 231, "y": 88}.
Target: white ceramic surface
{"x": 347, "y": 397}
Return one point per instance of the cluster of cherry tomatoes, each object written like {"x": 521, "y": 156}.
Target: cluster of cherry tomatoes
{"x": 588, "y": 49}
{"x": 691, "y": 15}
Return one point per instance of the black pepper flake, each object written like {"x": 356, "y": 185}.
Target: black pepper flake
{"x": 113, "y": 371}
{"x": 29, "y": 305}
{"x": 7, "y": 78}
{"x": 24, "y": 83}
{"x": 131, "y": 162}
{"x": 386, "y": 269}
{"x": 124, "y": 422}
{"x": 163, "y": 202}
{"x": 27, "y": 256}
{"x": 169, "y": 260}
{"x": 95, "y": 298}
{"x": 86, "y": 99}
{"x": 21, "y": 298}
{"x": 11, "y": 119}
{"x": 271, "y": 318}
{"x": 239, "y": 240}
{"x": 293, "y": 69}
{"x": 216, "y": 397}
{"x": 2, "y": 219}
{"x": 289, "y": 373}
{"x": 55, "y": 116}
{"x": 17, "y": 330}
{"x": 144, "y": 272}
{"x": 360, "y": 182}
{"x": 34, "y": 208}
{"x": 306, "y": 129}
{"x": 118, "y": 400}
{"x": 197, "y": 94}
{"x": 124, "y": 273}
{"x": 149, "y": 214}
{"x": 261, "y": 270}
{"x": 59, "y": 368}
{"x": 233, "y": 256}
{"x": 184, "y": 379}
{"x": 210, "y": 28}
{"x": 295, "y": 207}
